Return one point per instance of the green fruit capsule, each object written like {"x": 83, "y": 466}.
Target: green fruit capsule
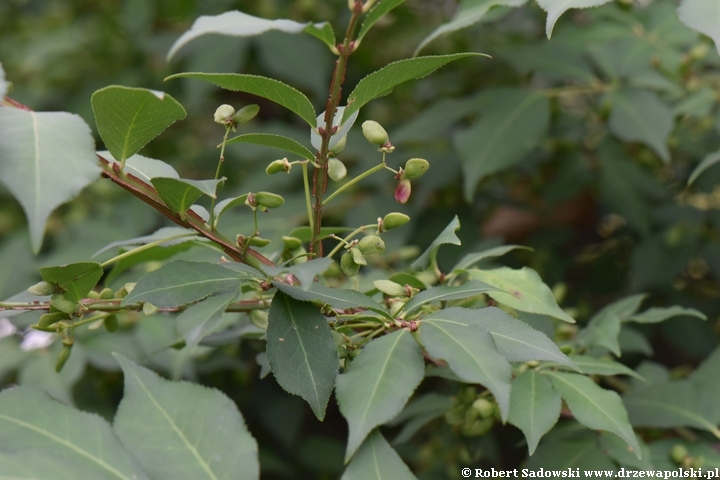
{"x": 278, "y": 166}
{"x": 107, "y": 294}
{"x": 41, "y": 289}
{"x": 336, "y": 169}
{"x": 394, "y": 220}
{"x": 678, "y": 453}
{"x": 291, "y": 243}
{"x": 339, "y": 146}
{"x": 348, "y": 265}
{"x": 258, "y": 242}
{"x": 62, "y": 304}
{"x": 371, "y": 244}
{"x": 223, "y": 114}
{"x": 48, "y": 319}
{"x": 416, "y": 168}
{"x": 63, "y": 357}
{"x": 269, "y": 200}
{"x": 245, "y": 114}
{"x": 375, "y": 133}
{"x": 111, "y": 323}
{"x": 484, "y": 407}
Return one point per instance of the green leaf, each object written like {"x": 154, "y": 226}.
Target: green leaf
{"x": 75, "y": 279}
{"x": 518, "y": 341}
{"x": 618, "y": 451}
{"x": 534, "y": 406}
{"x": 600, "y": 366}
{"x": 3, "y": 83}
{"x": 702, "y": 16}
{"x": 472, "y": 258}
{"x": 305, "y": 234}
{"x": 707, "y": 162}
{"x": 302, "y": 352}
{"x": 595, "y": 407}
{"x": 305, "y": 272}
{"x": 324, "y": 32}
{"x": 602, "y": 331}
{"x": 447, "y": 236}
{"x": 180, "y": 430}
{"x": 555, "y": 8}
{"x": 180, "y": 194}
{"x": 39, "y": 173}
{"x": 376, "y": 459}
{"x": 343, "y": 127}
{"x": 638, "y": 115}
{"x": 41, "y": 430}
{"x": 277, "y": 141}
{"x": 201, "y": 319}
{"x": 269, "y": 88}
{"x": 578, "y": 450}
{"x": 512, "y": 124}
{"x": 378, "y": 385}
{"x": 526, "y": 291}
{"x": 378, "y": 11}
{"x": 382, "y": 82}
{"x": 181, "y": 282}
{"x": 468, "y": 13}
{"x": 445, "y": 292}
{"x": 159, "y": 234}
{"x": 225, "y": 205}
{"x": 454, "y": 335}
{"x": 245, "y": 270}
{"x": 670, "y": 405}
{"x": 335, "y": 297}
{"x": 236, "y": 24}
{"x": 656, "y": 315}
{"x": 128, "y": 118}
{"x": 142, "y": 167}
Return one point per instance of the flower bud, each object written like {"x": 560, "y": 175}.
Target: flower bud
{"x": 276, "y": 166}
{"x": 371, "y": 244}
{"x": 389, "y": 287}
{"x": 258, "y": 242}
{"x": 245, "y": 114}
{"x": 348, "y": 265}
{"x": 63, "y": 357}
{"x": 224, "y": 114}
{"x": 41, "y": 289}
{"x": 269, "y": 200}
{"x": 416, "y": 168}
{"x": 339, "y": 146}
{"x": 336, "y": 169}
{"x": 394, "y": 220}
{"x": 402, "y": 191}
{"x": 375, "y": 133}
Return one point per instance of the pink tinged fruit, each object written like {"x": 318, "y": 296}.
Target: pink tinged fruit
{"x": 402, "y": 192}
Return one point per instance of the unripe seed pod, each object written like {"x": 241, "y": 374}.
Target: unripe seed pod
{"x": 93, "y": 294}
{"x": 107, "y": 294}
{"x": 111, "y": 323}
{"x": 348, "y": 265}
{"x": 402, "y": 191}
{"x": 48, "y": 319}
{"x": 416, "y": 168}
{"x": 63, "y": 357}
{"x": 245, "y": 114}
{"x": 62, "y": 304}
{"x": 698, "y": 462}
{"x": 41, "y": 289}
{"x": 484, "y": 407}
{"x": 371, "y": 244}
{"x": 258, "y": 242}
{"x": 678, "y": 453}
{"x": 223, "y": 114}
{"x": 259, "y": 318}
{"x": 336, "y": 169}
{"x": 277, "y": 166}
{"x": 291, "y": 243}
{"x": 375, "y": 133}
{"x": 358, "y": 256}
{"x": 269, "y": 200}
{"x": 339, "y": 146}
{"x": 394, "y": 220}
